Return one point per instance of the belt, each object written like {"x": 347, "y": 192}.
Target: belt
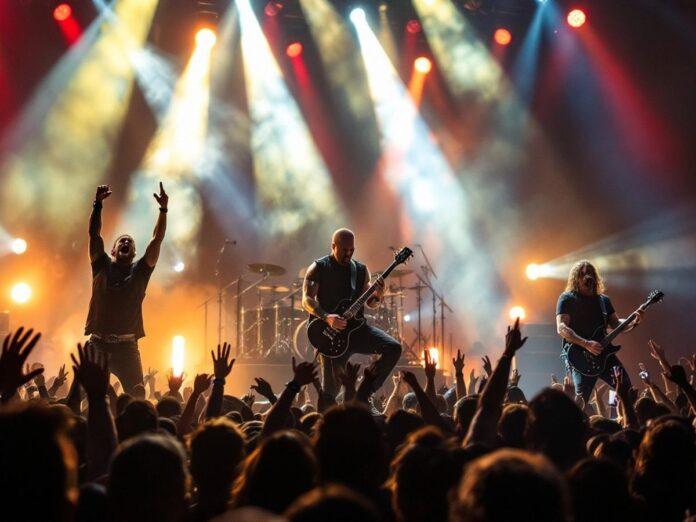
{"x": 114, "y": 338}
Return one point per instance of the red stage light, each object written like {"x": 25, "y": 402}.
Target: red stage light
{"x": 413, "y": 26}
{"x": 62, "y": 12}
{"x": 502, "y": 36}
{"x": 576, "y": 18}
{"x": 294, "y": 50}
{"x": 273, "y": 8}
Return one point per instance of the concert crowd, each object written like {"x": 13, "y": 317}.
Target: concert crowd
{"x": 76, "y": 447}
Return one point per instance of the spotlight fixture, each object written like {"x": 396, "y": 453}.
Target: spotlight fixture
{"x": 62, "y": 12}
{"x": 576, "y": 18}
{"x": 517, "y": 312}
{"x": 273, "y": 8}
{"x": 18, "y": 245}
{"x": 358, "y": 15}
{"x": 294, "y": 50}
{"x": 413, "y": 26}
{"x": 502, "y": 36}
{"x": 206, "y": 37}
{"x": 207, "y": 14}
{"x": 423, "y": 65}
{"x": 21, "y": 293}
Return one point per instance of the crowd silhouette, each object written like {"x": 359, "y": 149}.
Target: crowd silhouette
{"x": 75, "y": 448}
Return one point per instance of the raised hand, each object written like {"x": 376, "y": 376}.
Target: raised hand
{"x": 487, "y": 367}
{"x": 515, "y": 377}
{"x": 201, "y": 383}
{"x": 222, "y": 366}
{"x": 568, "y": 386}
{"x": 658, "y": 353}
{"x": 249, "y": 399}
{"x": 40, "y": 379}
{"x": 263, "y": 387}
{"x": 150, "y": 376}
{"x": 15, "y": 350}
{"x": 513, "y": 339}
{"x": 554, "y": 379}
{"x": 430, "y": 365}
{"x": 473, "y": 379}
{"x": 348, "y": 376}
{"x": 60, "y": 378}
{"x": 175, "y": 381}
{"x": 305, "y": 372}
{"x": 458, "y": 362}
{"x": 162, "y": 199}
{"x": 621, "y": 385}
{"x": 410, "y": 379}
{"x": 91, "y": 369}
{"x": 677, "y": 375}
{"x": 396, "y": 379}
{"x": 103, "y": 192}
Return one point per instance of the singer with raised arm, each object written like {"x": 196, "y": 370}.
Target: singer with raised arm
{"x": 115, "y": 319}
{"x": 582, "y": 310}
{"x": 332, "y": 279}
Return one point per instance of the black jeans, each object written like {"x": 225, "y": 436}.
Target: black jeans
{"x": 124, "y": 361}
{"x": 584, "y": 384}
{"x": 365, "y": 340}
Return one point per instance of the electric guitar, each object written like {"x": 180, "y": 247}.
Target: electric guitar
{"x": 592, "y": 365}
{"x": 333, "y": 343}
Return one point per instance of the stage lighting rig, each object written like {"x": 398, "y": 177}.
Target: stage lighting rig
{"x": 208, "y": 14}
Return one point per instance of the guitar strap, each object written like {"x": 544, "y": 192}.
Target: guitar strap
{"x": 603, "y": 307}
{"x": 353, "y": 278}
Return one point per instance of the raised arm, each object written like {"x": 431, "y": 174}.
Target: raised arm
{"x": 483, "y": 428}
{"x": 200, "y": 384}
{"x": 153, "y": 249}
{"x": 222, "y": 367}
{"x": 376, "y": 298}
{"x": 458, "y": 363}
{"x": 15, "y": 350}
{"x": 96, "y": 243}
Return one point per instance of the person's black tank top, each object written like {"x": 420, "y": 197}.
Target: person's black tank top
{"x": 334, "y": 282}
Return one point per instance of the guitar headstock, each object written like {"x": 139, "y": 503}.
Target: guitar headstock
{"x": 402, "y": 255}
{"x": 654, "y": 297}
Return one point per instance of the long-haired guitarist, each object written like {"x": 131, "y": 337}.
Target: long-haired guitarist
{"x": 581, "y": 310}
{"x": 328, "y": 281}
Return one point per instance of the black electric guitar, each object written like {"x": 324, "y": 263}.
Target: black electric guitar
{"x": 593, "y": 365}
{"x": 334, "y": 343}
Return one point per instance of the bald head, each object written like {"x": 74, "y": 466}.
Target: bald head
{"x": 343, "y": 245}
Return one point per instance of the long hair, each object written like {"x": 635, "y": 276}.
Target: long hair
{"x": 573, "y": 284}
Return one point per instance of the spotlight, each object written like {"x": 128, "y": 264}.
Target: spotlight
{"x": 62, "y": 12}
{"x": 533, "y": 271}
{"x": 21, "y": 293}
{"x": 358, "y": 15}
{"x": 206, "y": 38}
{"x": 407, "y": 318}
{"x": 576, "y": 18}
{"x": 178, "y": 344}
{"x": 18, "y": 246}
{"x": 502, "y": 36}
{"x": 273, "y": 8}
{"x": 294, "y": 50}
{"x": 423, "y": 65}
{"x": 517, "y": 311}
{"x": 413, "y": 26}
{"x": 179, "y": 267}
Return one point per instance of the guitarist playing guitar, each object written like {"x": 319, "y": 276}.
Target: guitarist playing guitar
{"x": 580, "y": 311}
{"x": 337, "y": 277}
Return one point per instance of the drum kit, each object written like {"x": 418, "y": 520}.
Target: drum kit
{"x": 274, "y": 327}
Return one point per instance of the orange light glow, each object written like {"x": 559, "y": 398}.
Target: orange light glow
{"x": 502, "y": 36}
{"x": 576, "y": 18}
{"x": 62, "y": 12}
{"x": 294, "y": 50}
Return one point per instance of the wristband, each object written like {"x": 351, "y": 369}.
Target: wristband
{"x": 162, "y": 209}
{"x": 293, "y": 386}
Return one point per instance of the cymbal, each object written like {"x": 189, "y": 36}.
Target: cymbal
{"x": 266, "y": 268}
{"x": 274, "y": 288}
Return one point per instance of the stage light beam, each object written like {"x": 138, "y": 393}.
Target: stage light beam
{"x": 358, "y": 15}
{"x": 18, "y": 245}
{"x": 21, "y": 293}
{"x": 206, "y": 38}
{"x": 178, "y": 348}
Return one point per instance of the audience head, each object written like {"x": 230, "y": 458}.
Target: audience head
{"x": 333, "y": 502}
{"x": 217, "y": 450}
{"x": 556, "y": 428}
{"x": 278, "y": 471}
{"x": 138, "y": 417}
{"x": 512, "y": 425}
{"x": 510, "y": 484}
{"x": 350, "y": 449}
{"x": 399, "y": 425}
{"x": 599, "y": 492}
{"x": 168, "y": 406}
{"x": 38, "y": 477}
{"x": 464, "y": 411}
{"x": 148, "y": 480}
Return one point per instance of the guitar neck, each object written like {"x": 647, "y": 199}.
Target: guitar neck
{"x": 360, "y": 302}
{"x": 623, "y": 325}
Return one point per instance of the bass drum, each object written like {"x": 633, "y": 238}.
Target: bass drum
{"x": 300, "y": 343}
